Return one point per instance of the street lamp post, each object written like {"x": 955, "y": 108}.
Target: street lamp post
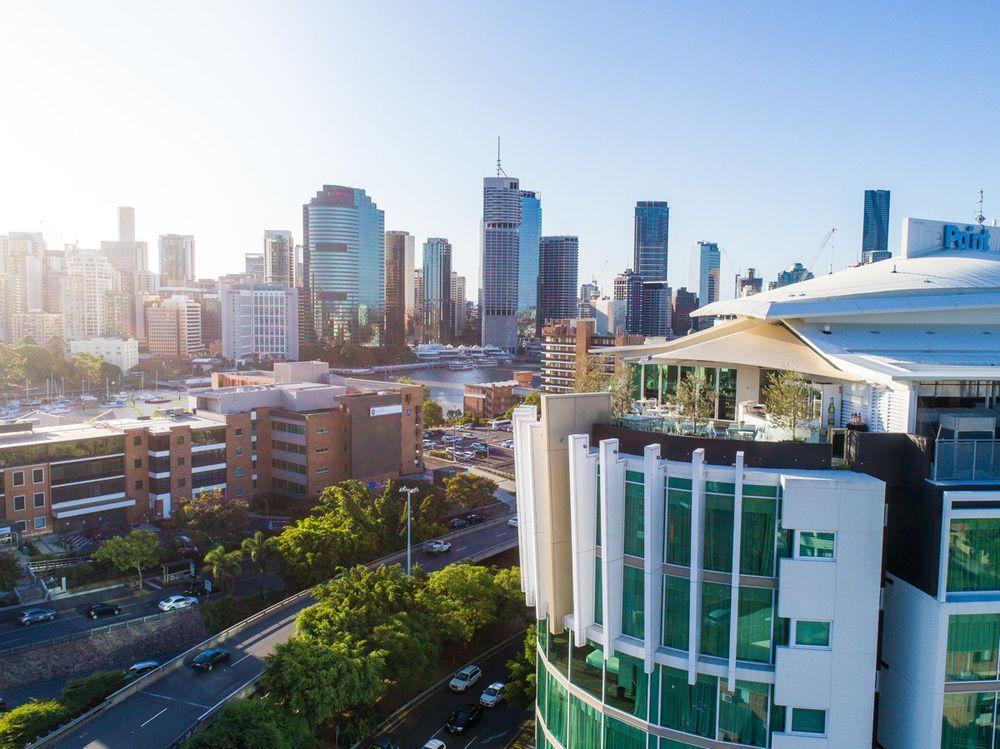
{"x": 409, "y": 491}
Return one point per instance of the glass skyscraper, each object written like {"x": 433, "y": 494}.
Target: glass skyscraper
{"x": 499, "y": 261}
{"x": 875, "y": 237}
{"x": 558, "y": 269}
{"x": 705, "y": 265}
{"x": 529, "y": 238}
{"x": 439, "y": 319}
{"x": 343, "y": 264}
{"x": 652, "y": 229}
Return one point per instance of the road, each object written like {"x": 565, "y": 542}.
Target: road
{"x": 162, "y": 712}
{"x": 493, "y": 731}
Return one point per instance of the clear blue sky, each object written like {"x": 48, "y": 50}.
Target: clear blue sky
{"x": 761, "y": 123}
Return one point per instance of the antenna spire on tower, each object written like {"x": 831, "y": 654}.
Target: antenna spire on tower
{"x": 980, "y": 218}
{"x": 500, "y": 171}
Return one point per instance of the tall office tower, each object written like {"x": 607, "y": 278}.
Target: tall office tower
{"x": 279, "y": 257}
{"x": 99, "y": 280}
{"x": 656, "y": 309}
{"x": 529, "y": 249}
{"x": 459, "y": 303}
{"x": 24, "y": 271}
{"x": 652, "y": 229}
{"x": 41, "y": 328}
{"x": 705, "y": 264}
{"x": 253, "y": 266}
{"x": 875, "y": 236}
{"x": 176, "y": 258}
{"x": 558, "y": 276}
{"x": 499, "y": 261}
{"x": 260, "y": 322}
{"x": 398, "y": 286}
{"x": 343, "y": 234}
{"x": 439, "y": 316}
{"x": 628, "y": 289}
{"x": 173, "y": 326}
{"x": 794, "y": 273}
{"x": 685, "y": 302}
{"x": 418, "y": 303}
{"x": 126, "y": 255}
{"x": 749, "y": 283}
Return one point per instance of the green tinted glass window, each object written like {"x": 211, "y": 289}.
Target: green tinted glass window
{"x": 678, "y": 535}
{"x": 598, "y": 540}
{"x": 755, "y": 614}
{"x": 718, "y": 542}
{"x": 968, "y": 720}
{"x": 817, "y": 544}
{"x": 757, "y": 536}
{"x": 743, "y": 713}
{"x": 558, "y": 651}
{"x": 634, "y": 531}
{"x": 633, "y": 602}
{"x": 676, "y": 606}
{"x": 972, "y": 647}
{"x": 618, "y": 735}
{"x": 543, "y": 635}
{"x": 715, "y": 606}
{"x": 598, "y": 591}
{"x": 814, "y": 634}
{"x": 974, "y": 554}
{"x": 626, "y": 684}
{"x": 584, "y": 725}
{"x": 587, "y": 668}
{"x": 808, "y": 721}
{"x": 688, "y": 708}
{"x": 556, "y": 707}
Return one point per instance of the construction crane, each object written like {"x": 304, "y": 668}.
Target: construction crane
{"x": 821, "y": 246}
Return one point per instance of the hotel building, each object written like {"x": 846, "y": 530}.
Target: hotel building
{"x": 717, "y": 583}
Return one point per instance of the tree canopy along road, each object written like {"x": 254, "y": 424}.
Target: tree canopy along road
{"x": 162, "y": 710}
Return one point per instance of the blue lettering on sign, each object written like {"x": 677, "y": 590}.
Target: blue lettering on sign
{"x": 966, "y": 238}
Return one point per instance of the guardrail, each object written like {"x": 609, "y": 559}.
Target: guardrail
{"x": 967, "y": 460}
{"x": 86, "y": 633}
{"x": 177, "y": 662}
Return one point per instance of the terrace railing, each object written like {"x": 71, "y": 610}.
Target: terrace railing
{"x": 967, "y": 460}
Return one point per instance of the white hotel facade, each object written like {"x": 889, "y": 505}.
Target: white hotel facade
{"x": 719, "y": 585}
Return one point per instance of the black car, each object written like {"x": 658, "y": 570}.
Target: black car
{"x": 206, "y": 660}
{"x": 475, "y": 519}
{"x": 99, "y": 610}
{"x": 464, "y": 717}
{"x": 457, "y": 523}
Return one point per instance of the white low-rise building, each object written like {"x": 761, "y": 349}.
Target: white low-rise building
{"x": 122, "y": 352}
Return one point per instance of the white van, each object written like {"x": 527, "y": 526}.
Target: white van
{"x": 498, "y": 425}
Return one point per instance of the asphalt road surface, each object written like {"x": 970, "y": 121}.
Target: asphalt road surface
{"x": 493, "y": 730}
{"x": 155, "y": 717}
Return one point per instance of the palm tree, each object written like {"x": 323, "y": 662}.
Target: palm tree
{"x": 223, "y": 566}
{"x": 259, "y": 550}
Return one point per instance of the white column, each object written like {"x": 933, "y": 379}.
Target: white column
{"x": 583, "y": 532}
{"x": 735, "y": 597}
{"x": 612, "y": 540}
{"x": 697, "y": 534}
{"x": 942, "y": 591}
{"x": 653, "y": 501}
{"x": 523, "y": 420}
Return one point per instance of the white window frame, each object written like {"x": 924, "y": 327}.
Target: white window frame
{"x": 792, "y": 635}
{"x": 797, "y": 542}
{"x": 34, "y": 500}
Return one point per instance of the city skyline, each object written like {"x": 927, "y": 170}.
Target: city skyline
{"x": 708, "y": 170}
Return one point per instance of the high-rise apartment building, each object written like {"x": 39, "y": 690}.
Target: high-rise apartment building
{"x": 99, "y": 280}
{"x": 684, "y": 303}
{"x": 705, "y": 268}
{"x": 418, "y": 303}
{"x": 794, "y": 273}
{"x": 176, "y": 258}
{"x": 173, "y": 327}
{"x": 529, "y": 239}
{"x": 875, "y": 233}
{"x": 652, "y": 239}
{"x": 439, "y": 317}
{"x": 260, "y": 322}
{"x": 565, "y": 343}
{"x": 459, "y": 303}
{"x": 127, "y": 255}
{"x": 558, "y": 276}
{"x": 41, "y": 328}
{"x": 253, "y": 266}
{"x": 628, "y": 289}
{"x": 749, "y": 283}
{"x": 279, "y": 257}
{"x": 499, "y": 261}
{"x": 656, "y": 309}
{"x": 399, "y": 258}
{"x": 343, "y": 264}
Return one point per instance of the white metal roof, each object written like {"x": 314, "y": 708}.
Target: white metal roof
{"x": 947, "y": 280}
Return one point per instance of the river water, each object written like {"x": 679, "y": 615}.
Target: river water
{"x": 448, "y": 385}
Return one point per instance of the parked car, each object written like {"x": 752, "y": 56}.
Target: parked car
{"x": 435, "y": 744}
{"x": 480, "y": 446}
{"x": 474, "y": 519}
{"x": 512, "y": 522}
{"x": 33, "y": 616}
{"x": 437, "y": 546}
{"x": 177, "y": 602}
{"x": 206, "y": 660}
{"x": 450, "y": 439}
{"x": 509, "y": 444}
{"x": 469, "y": 435}
{"x": 464, "y": 717}
{"x": 141, "y": 669}
{"x": 493, "y": 694}
{"x": 99, "y": 610}
{"x": 429, "y": 443}
{"x": 457, "y": 523}
{"x": 465, "y": 678}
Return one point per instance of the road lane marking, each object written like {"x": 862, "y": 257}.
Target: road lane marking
{"x": 143, "y": 725}
{"x": 240, "y": 660}
{"x": 176, "y": 699}
{"x": 471, "y": 742}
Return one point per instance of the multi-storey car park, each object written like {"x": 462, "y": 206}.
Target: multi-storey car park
{"x": 291, "y": 432}
{"x": 719, "y": 584}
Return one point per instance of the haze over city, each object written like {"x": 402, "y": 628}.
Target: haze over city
{"x": 760, "y": 124}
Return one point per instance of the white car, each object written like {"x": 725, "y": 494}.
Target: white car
{"x": 465, "y": 678}
{"x": 493, "y": 694}
{"x": 435, "y": 744}
{"x": 512, "y": 522}
{"x": 177, "y": 602}
{"x": 437, "y": 547}
{"x": 507, "y": 444}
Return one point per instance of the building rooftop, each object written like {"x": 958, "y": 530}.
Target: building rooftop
{"x": 103, "y": 428}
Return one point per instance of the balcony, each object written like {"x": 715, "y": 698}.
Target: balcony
{"x": 967, "y": 459}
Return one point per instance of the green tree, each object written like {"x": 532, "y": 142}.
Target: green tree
{"x": 87, "y": 368}
{"x": 534, "y": 398}
{"x": 510, "y": 597}
{"x": 317, "y": 681}
{"x": 211, "y": 518}
{"x": 433, "y": 416}
{"x": 79, "y": 695}
{"x": 620, "y": 386}
{"x": 588, "y": 375}
{"x": 787, "y": 397}
{"x": 470, "y": 490}
{"x": 521, "y": 670}
{"x": 695, "y": 397}
{"x": 138, "y": 551}
{"x": 10, "y": 571}
{"x": 223, "y": 566}
{"x": 465, "y": 597}
{"x": 254, "y": 724}
{"x": 26, "y": 722}
{"x": 259, "y": 550}
{"x": 406, "y": 380}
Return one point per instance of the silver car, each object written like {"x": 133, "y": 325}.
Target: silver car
{"x": 33, "y": 616}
